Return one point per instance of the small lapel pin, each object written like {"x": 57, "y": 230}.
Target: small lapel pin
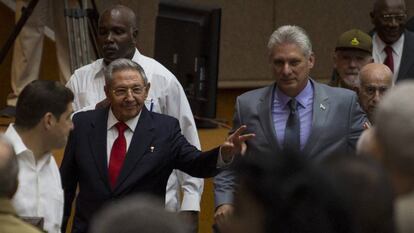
{"x": 152, "y": 148}
{"x": 322, "y": 107}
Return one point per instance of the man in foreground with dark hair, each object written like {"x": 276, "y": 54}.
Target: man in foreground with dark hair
{"x": 43, "y": 122}
{"x": 9, "y": 222}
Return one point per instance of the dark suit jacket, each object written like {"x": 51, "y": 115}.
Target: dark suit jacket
{"x": 337, "y": 123}
{"x": 407, "y": 60}
{"x": 144, "y": 170}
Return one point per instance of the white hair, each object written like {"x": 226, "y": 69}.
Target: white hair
{"x": 291, "y": 34}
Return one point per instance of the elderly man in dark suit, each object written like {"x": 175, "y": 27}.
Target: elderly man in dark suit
{"x": 296, "y": 114}
{"x": 393, "y": 45}
{"x": 124, "y": 149}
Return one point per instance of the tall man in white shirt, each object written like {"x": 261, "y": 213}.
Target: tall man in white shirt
{"x": 43, "y": 122}
{"x": 393, "y": 45}
{"x": 117, "y": 37}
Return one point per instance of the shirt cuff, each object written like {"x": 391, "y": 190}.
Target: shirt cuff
{"x": 220, "y": 161}
{"x": 191, "y": 202}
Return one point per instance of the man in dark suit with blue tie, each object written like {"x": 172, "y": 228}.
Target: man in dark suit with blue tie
{"x": 295, "y": 114}
{"x": 125, "y": 149}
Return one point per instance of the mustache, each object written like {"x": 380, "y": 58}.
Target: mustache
{"x": 110, "y": 47}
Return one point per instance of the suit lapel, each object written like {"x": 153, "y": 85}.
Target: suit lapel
{"x": 265, "y": 114}
{"x": 143, "y": 136}
{"x": 407, "y": 57}
{"x": 97, "y": 139}
{"x": 320, "y": 112}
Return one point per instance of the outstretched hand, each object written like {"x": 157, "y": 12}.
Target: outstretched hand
{"x": 234, "y": 144}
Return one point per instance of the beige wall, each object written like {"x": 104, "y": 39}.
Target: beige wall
{"x": 247, "y": 24}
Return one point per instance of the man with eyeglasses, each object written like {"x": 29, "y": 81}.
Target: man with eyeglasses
{"x": 392, "y": 44}
{"x": 374, "y": 80}
{"x": 118, "y": 38}
{"x": 124, "y": 149}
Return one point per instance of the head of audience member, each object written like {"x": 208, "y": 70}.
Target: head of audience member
{"x": 389, "y": 18}
{"x": 290, "y": 58}
{"x": 45, "y": 107}
{"x": 374, "y": 80}
{"x": 117, "y": 33}
{"x": 285, "y": 194}
{"x": 353, "y": 51}
{"x": 126, "y": 88}
{"x": 132, "y": 214}
{"x": 366, "y": 189}
{"x": 8, "y": 169}
{"x": 395, "y": 116}
{"x": 368, "y": 145}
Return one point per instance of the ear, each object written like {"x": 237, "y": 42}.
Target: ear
{"x": 147, "y": 88}
{"x": 48, "y": 120}
{"x": 106, "y": 90}
{"x": 134, "y": 35}
{"x": 311, "y": 60}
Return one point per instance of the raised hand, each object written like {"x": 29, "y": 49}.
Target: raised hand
{"x": 234, "y": 144}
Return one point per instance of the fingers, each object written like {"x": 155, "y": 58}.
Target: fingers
{"x": 223, "y": 214}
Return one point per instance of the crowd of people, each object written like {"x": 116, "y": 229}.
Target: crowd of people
{"x": 302, "y": 156}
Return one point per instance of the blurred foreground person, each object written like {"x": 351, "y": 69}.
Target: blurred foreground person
{"x": 143, "y": 214}
{"x": 284, "y": 194}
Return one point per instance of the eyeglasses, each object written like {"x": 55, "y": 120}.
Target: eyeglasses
{"x": 123, "y": 91}
{"x": 388, "y": 18}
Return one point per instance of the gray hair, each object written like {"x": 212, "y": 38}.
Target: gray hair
{"x": 395, "y": 131}
{"x": 123, "y": 64}
{"x": 293, "y": 35}
{"x": 137, "y": 213}
{"x": 9, "y": 169}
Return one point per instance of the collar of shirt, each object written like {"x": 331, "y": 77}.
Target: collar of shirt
{"x": 21, "y": 149}
{"x": 303, "y": 97}
{"x": 131, "y": 123}
{"x": 397, "y": 46}
{"x": 101, "y": 65}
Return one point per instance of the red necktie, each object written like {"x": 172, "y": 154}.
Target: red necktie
{"x": 118, "y": 153}
{"x": 389, "y": 61}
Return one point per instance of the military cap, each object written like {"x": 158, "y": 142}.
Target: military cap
{"x": 354, "y": 39}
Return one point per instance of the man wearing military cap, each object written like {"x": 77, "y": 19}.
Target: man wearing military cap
{"x": 353, "y": 50}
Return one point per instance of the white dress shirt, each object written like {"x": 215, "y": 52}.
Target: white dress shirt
{"x": 165, "y": 96}
{"x": 379, "y": 54}
{"x": 39, "y": 193}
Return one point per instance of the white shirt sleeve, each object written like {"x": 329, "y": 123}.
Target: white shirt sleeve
{"x": 177, "y": 106}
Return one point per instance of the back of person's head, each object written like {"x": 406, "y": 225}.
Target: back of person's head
{"x": 38, "y": 98}
{"x": 395, "y": 131}
{"x": 289, "y": 196}
{"x": 365, "y": 187}
{"x": 143, "y": 214}
{"x": 8, "y": 169}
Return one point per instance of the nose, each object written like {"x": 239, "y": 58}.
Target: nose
{"x": 353, "y": 62}
{"x": 109, "y": 36}
{"x": 129, "y": 94}
{"x": 286, "y": 69}
{"x": 377, "y": 97}
{"x": 72, "y": 126}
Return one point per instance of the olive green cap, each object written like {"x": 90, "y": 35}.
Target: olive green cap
{"x": 354, "y": 39}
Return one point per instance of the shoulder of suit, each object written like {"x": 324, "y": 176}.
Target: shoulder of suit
{"x": 334, "y": 92}
{"x": 86, "y": 116}
{"x": 256, "y": 93}
{"x": 162, "y": 117}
